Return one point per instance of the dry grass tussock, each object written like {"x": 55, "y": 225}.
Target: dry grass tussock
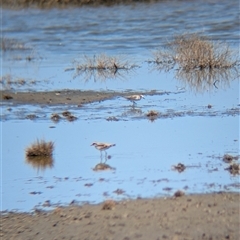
{"x": 8, "y": 82}
{"x": 40, "y": 148}
{"x": 9, "y": 44}
{"x": 191, "y": 52}
{"x": 201, "y": 63}
{"x": 102, "y": 67}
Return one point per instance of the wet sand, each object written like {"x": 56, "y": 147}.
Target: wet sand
{"x": 205, "y": 216}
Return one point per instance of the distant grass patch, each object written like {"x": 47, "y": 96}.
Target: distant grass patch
{"x": 40, "y": 148}
{"x": 8, "y": 81}
{"x": 9, "y": 44}
{"x": 201, "y": 62}
{"x": 192, "y": 51}
{"x": 102, "y": 67}
{"x": 66, "y": 3}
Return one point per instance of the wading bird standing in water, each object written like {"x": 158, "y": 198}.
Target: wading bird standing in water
{"x": 103, "y": 147}
{"x": 134, "y": 98}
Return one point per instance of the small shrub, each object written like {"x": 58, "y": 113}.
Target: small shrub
{"x": 40, "y": 148}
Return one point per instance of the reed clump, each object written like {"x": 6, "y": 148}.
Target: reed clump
{"x": 8, "y": 44}
{"x": 40, "y": 148}
{"x": 102, "y": 66}
{"x": 8, "y": 82}
{"x": 202, "y": 64}
{"x": 192, "y": 51}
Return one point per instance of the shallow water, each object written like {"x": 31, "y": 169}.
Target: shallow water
{"x": 198, "y": 122}
{"x": 54, "y": 38}
{"x": 142, "y": 159}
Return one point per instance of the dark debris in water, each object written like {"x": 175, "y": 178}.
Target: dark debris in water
{"x": 112, "y": 119}
{"x": 119, "y": 191}
{"x": 179, "y": 193}
{"x": 55, "y": 117}
{"x": 31, "y": 116}
{"x": 179, "y": 167}
{"x": 229, "y": 158}
{"x": 7, "y": 97}
{"x": 234, "y": 168}
{"x": 34, "y": 193}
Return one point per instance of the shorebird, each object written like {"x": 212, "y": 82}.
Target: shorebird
{"x": 134, "y": 98}
{"x": 102, "y": 147}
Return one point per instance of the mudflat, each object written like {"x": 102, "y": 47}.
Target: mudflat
{"x": 203, "y": 216}
{"x": 65, "y": 96}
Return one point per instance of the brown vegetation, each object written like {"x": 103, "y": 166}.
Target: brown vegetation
{"x": 11, "y": 44}
{"x": 109, "y": 205}
{"x": 8, "y": 82}
{"x": 7, "y": 97}
{"x": 202, "y": 63}
{"x": 234, "y": 168}
{"x": 55, "y": 117}
{"x": 180, "y": 167}
{"x": 179, "y": 193}
{"x": 66, "y": 3}
{"x": 40, "y": 148}
{"x": 152, "y": 115}
{"x": 192, "y": 51}
{"x": 102, "y": 67}
{"x": 229, "y": 158}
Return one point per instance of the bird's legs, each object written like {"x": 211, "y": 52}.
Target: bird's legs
{"x": 106, "y": 156}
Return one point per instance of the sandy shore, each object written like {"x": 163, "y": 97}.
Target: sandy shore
{"x": 205, "y": 216}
